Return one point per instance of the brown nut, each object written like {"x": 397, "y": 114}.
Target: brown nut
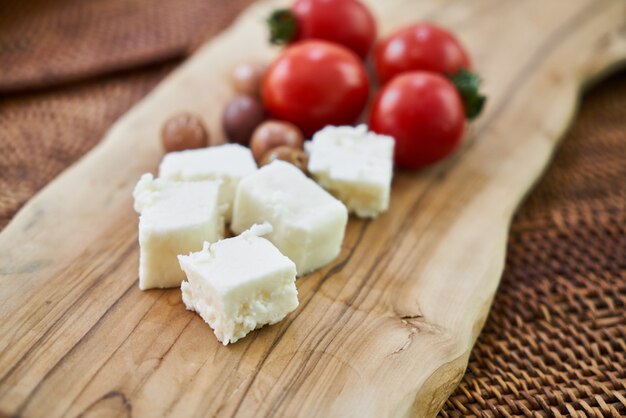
{"x": 294, "y": 156}
{"x": 184, "y": 131}
{"x": 246, "y": 78}
{"x": 272, "y": 134}
{"x": 241, "y": 117}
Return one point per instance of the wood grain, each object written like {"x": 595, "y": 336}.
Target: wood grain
{"x": 385, "y": 330}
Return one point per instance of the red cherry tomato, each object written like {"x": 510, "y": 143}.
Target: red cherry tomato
{"x": 313, "y": 84}
{"x": 345, "y": 22}
{"x": 422, "y": 46}
{"x": 424, "y": 113}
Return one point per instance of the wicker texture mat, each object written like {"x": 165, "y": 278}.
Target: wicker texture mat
{"x": 555, "y": 341}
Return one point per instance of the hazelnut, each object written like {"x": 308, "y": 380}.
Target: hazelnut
{"x": 294, "y": 156}
{"x": 246, "y": 78}
{"x": 184, "y": 131}
{"x": 241, "y": 117}
{"x": 272, "y": 134}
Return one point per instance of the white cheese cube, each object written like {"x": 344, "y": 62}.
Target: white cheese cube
{"x": 309, "y": 223}
{"x": 228, "y": 163}
{"x": 354, "y": 165}
{"x": 239, "y": 284}
{"x": 175, "y": 218}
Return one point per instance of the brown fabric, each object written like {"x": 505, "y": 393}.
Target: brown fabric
{"x": 555, "y": 341}
{"x": 45, "y": 42}
{"x": 43, "y": 133}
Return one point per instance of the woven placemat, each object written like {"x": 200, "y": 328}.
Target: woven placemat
{"x": 555, "y": 341}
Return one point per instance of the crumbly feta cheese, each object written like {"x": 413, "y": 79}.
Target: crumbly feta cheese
{"x": 354, "y": 165}
{"x": 228, "y": 162}
{"x": 309, "y": 223}
{"x": 175, "y": 218}
{"x": 239, "y": 284}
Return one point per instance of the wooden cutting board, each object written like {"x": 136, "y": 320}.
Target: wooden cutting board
{"x": 385, "y": 330}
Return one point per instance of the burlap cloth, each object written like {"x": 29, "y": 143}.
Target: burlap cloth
{"x": 555, "y": 341}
